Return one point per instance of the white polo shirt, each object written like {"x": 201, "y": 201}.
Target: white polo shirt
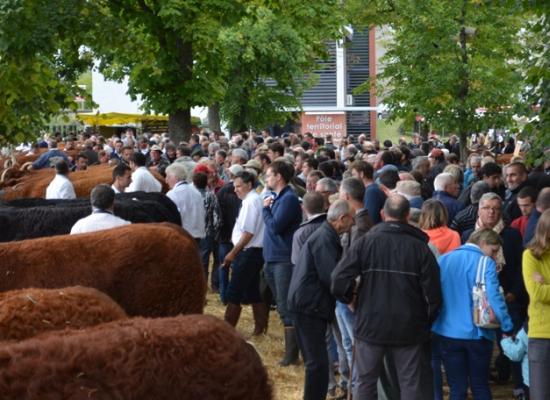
{"x": 191, "y": 207}
{"x": 60, "y": 188}
{"x": 98, "y": 221}
{"x": 250, "y": 220}
{"x": 143, "y": 180}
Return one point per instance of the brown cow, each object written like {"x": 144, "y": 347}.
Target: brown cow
{"x": 24, "y": 184}
{"x": 186, "y": 357}
{"x": 151, "y": 270}
{"x": 28, "y": 312}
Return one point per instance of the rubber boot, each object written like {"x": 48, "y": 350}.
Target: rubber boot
{"x": 232, "y": 314}
{"x": 291, "y": 348}
{"x": 259, "y": 311}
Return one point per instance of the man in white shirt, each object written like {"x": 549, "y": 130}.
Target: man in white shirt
{"x": 102, "y": 199}
{"x": 61, "y": 187}
{"x": 142, "y": 179}
{"x": 188, "y": 200}
{"x": 246, "y": 257}
{"x": 122, "y": 177}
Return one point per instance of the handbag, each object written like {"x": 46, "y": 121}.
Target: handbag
{"x": 484, "y": 316}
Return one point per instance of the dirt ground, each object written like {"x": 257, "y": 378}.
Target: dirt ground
{"x": 287, "y": 382}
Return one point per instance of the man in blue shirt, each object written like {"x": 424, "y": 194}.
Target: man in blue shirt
{"x": 282, "y": 215}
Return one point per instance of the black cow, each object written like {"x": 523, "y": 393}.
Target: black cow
{"x": 32, "y": 218}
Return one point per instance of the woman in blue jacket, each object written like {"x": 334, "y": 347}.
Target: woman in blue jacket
{"x": 465, "y": 348}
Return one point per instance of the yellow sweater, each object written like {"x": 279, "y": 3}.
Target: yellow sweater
{"x": 539, "y": 294}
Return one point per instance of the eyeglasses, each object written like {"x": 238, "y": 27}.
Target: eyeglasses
{"x": 495, "y": 209}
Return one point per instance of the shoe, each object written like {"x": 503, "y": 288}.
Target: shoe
{"x": 261, "y": 318}
{"x": 232, "y": 314}
{"x": 291, "y": 348}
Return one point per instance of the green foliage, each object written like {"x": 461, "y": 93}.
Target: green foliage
{"x": 448, "y": 58}
{"x": 537, "y": 77}
{"x": 269, "y": 55}
{"x": 40, "y": 61}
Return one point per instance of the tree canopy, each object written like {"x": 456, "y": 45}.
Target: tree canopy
{"x": 455, "y": 63}
{"x": 251, "y": 56}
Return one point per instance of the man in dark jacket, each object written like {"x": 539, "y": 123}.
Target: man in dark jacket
{"x": 282, "y": 215}
{"x": 309, "y": 297}
{"x": 314, "y": 208}
{"x": 398, "y": 298}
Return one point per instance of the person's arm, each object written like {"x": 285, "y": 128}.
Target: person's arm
{"x": 246, "y": 237}
{"x": 325, "y": 258}
{"x": 284, "y": 215}
{"x": 343, "y": 277}
{"x": 431, "y": 284}
{"x": 538, "y": 289}
{"x": 496, "y": 300}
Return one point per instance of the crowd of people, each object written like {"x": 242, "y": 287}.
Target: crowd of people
{"x": 368, "y": 251}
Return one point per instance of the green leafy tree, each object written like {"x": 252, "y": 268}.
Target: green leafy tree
{"x": 40, "y": 62}
{"x": 271, "y": 54}
{"x": 449, "y": 58}
{"x": 537, "y": 57}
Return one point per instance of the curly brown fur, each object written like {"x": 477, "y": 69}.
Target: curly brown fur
{"x": 28, "y": 312}
{"x": 34, "y": 183}
{"x": 186, "y": 357}
{"x": 151, "y": 270}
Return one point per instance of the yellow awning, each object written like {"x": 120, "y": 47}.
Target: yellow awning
{"x": 118, "y": 118}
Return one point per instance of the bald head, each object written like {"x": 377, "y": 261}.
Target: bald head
{"x": 396, "y": 208}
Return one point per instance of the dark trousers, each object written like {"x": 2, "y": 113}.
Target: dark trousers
{"x": 538, "y": 353}
{"x": 244, "y": 285}
{"x": 310, "y": 332}
{"x": 369, "y": 360}
{"x": 223, "y": 273}
{"x": 467, "y": 361}
{"x": 209, "y": 246}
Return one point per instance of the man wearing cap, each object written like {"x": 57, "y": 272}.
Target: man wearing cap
{"x": 50, "y": 157}
{"x": 61, "y": 187}
{"x": 102, "y": 199}
{"x": 157, "y": 161}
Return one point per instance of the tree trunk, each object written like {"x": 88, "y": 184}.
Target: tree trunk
{"x": 464, "y": 89}
{"x": 179, "y": 121}
{"x": 179, "y": 125}
{"x": 214, "y": 117}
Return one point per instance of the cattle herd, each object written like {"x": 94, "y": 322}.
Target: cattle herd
{"x": 112, "y": 314}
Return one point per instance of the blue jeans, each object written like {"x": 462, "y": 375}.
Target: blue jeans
{"x": 223, "y": 273}
{"x": 278, "y": 277}
{"x": 244, "y": 286}
{"x": 436, "y": 368}
{"x": 467, "y": 361}
{"x": 346, "y": 322}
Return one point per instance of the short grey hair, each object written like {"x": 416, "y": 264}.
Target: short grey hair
{"x": 213, "y": 147}
{"x": 338, "y": 209}
{"x": 240, "y": 153}
{"x": 489, "y": 196}
{"x": 329, "y": 184}
{"x": 354, "y": 187}
{"x": 478, "y": 189}
{"x": 442, "y": 180}
{"x": 408, "y": 188}
{"x": 178, "y": 170}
